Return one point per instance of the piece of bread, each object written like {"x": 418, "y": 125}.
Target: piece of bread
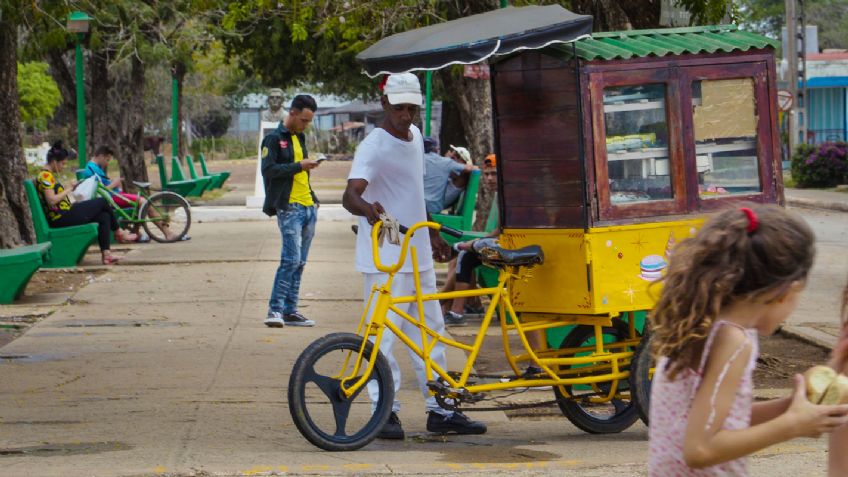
{"x": 824, "y": 386}
{"x": 837, "y": 393}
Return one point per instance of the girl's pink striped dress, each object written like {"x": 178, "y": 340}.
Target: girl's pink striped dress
{"x": 670, "y": 403}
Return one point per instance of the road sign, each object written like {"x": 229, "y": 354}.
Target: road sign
{"x": 784, "y": 100}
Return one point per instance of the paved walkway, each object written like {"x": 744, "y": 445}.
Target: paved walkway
{"x": 819, "y": 199}
{"x": 162, "y": 366}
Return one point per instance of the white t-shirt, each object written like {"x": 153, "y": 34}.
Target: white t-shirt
{"x": 394, "y": 170}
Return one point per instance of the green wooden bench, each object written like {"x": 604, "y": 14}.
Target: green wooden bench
{"x": 215, "y": 180}
{"x": 200, "y": 185}
{"x": 462, "y": 217}
{"x": 17, "y": 266}
{"x": 224, "y": 174}
{"x": 486, "y": 276}
{"x": 180, "y": 187}
{"x": 69, "y": 243}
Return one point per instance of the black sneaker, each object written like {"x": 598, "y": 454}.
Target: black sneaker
{"x": 296, "y": 319}
{"x": 454, "y": 319}
{"x": 474, "y": 310}
{"x": 392, "y": 429}
{"x": 458, "y": 423}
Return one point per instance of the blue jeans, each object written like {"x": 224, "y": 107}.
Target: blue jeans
{"x": 297, "y": 227}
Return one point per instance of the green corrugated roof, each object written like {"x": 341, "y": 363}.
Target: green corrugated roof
{"x": 670, "y": 41}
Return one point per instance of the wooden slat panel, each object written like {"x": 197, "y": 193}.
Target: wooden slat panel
{"x": 551, "y": 168}
{"x": 518, "y": 63}
{"x": 536, "y": 109}
{"x": 543, "y": 193}
{"x": 543, "y": 217}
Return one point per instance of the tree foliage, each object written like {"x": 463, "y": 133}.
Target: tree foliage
{"x": 38, "y": 94}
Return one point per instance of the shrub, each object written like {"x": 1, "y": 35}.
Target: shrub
{"x": 825, "y": 165}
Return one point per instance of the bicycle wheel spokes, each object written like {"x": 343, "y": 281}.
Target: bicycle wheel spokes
{"x": 319, "y": 408}
{"x": 331, "y": 387}
{"x": 166, "y": 216}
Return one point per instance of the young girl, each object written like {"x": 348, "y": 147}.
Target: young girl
{"x": 837, "y": 457}
{"x": 739, "y": 277}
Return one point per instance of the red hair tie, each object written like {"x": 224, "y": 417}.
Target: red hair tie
{"x": 382, "y": 85}
{"x": 753, "y": 222}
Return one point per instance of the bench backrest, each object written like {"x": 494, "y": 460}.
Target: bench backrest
{"x": 177, "y": 170}
{"x": 163, "y": 174}
{"x": 39, "y": 220}
{"x": 203, "y": 167}
{"x": 494, "y": 213}
{"x": 468, "y": 201}
{"x": 191, "y": 169}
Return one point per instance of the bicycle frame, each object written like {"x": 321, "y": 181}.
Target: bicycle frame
{"x": 604, "y": 363}
{"x": 131, "y": 217}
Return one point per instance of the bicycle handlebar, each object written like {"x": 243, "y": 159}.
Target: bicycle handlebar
{"x": 404, "y": 246}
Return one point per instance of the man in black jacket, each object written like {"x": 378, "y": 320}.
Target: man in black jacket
{"x": 289, "y": 196}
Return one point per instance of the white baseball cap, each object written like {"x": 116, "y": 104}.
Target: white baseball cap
{"x": 403, "y": 88}
{"x": 463, "y": 153}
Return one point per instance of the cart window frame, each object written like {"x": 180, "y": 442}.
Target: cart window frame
{"x": 757, "y": 72}
{"x": 598, "y": 83}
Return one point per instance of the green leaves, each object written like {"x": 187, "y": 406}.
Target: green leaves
{"x": 38, "y": 94}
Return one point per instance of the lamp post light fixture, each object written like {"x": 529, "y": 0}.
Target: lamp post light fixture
{"x": 78, "y": 22}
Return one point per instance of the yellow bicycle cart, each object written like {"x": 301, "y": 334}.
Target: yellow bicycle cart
{"x": 612, "y": 149}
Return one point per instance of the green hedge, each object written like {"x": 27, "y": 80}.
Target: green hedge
{"x": 825, "y": 165}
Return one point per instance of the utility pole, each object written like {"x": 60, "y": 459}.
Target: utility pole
{"x": 802, "y": 74}
{"x": 791, "y": 54}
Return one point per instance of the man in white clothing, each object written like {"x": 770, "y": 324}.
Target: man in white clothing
{"x": 387, "y": 175}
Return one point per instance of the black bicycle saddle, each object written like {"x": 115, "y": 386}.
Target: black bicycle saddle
{"x": 494, "y": 254}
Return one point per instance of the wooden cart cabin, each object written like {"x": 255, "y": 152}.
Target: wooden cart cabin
{"x": 613, "y": 148}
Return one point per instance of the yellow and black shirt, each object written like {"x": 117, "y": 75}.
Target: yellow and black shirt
{"x": 45, "y": 180}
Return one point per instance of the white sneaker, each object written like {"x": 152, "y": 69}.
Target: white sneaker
{"x": 274, "y": 320}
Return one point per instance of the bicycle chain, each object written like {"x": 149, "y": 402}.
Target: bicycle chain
{"x": 452, "y": 405}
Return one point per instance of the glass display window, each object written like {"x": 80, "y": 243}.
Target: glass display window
{"x": 724, "y": 113}
{"x": 637, "y": 145}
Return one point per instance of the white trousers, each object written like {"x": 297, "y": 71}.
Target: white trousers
{"x": 403, "y": 285}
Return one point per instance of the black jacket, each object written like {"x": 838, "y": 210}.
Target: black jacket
{"x": 279, "y": 168}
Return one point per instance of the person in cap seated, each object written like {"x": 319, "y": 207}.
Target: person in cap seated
{"x": 439, "y": 174}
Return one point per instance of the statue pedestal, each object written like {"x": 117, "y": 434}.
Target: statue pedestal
{"x": 258, "y": 198}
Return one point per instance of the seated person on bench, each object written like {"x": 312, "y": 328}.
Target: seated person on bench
{"x": 97, "y": 166}
{"x": 61, "y": 213}
{"x": 440, "y": 191}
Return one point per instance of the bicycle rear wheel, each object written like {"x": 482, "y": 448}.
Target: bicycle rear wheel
{"x": 319, "y": 409}
{"x": 166, "y": 211}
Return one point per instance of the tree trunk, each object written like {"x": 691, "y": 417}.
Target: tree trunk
{"x": 66, "y": 115}
{"x": 179, "y": 72}
{"x": 474, "y": 100}
{"x": 15, "y": 220}
{"x": 451, "y": 131}
{"x": 129, "y": 120}
{"x": 611, "y": 15}
{"x": 103, "y": 132}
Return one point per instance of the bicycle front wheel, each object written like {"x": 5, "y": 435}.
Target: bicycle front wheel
{"x": 166, "y": 216}
{"x": 319, "y": 409}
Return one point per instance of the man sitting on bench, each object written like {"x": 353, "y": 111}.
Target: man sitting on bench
{"x": 97, "y": 166}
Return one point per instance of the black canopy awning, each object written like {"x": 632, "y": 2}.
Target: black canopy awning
{"x": 473, "y": 39}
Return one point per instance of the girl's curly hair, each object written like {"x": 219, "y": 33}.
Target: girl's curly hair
{"x": 723, "y": 264}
